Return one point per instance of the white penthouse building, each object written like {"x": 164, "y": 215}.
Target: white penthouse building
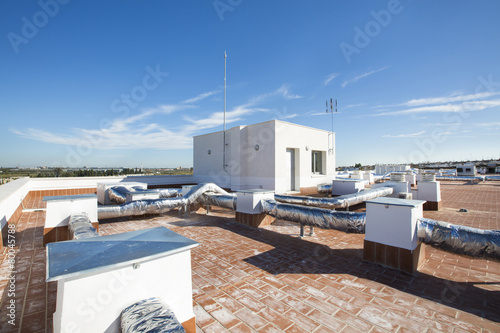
{"x": 272, "y": 155}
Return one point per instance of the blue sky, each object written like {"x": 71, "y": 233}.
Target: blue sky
{"x": 120, "y": 83}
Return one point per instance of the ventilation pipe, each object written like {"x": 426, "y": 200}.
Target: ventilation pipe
{"x": 316, "y": 217}
{"x": 80, "y": 227}
{"x": 220, "y": 200}
{"x": 460, "y": 239}
{"x": 119, "y": 193}
{"x": 343, "y": 201}
{"x": 157, "y": 206}
{"x": 454, "y": 238}
{"x": 324, "y": 189}
{"x": 478, "y": 178}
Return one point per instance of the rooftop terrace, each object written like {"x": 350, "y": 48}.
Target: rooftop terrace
{"x": 268, "y": 280}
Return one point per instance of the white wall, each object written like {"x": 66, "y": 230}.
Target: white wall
{"x": 299, "y": 137}
{"x": 209, "y": 167}
{"x": 11, "y": 196}
{"x": 246, "y": 167}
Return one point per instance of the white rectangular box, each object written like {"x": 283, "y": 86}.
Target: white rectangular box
{"x": 249, "y": 201}
{"x": 348, "y": 186}
{"x": 393, "y": 221}
{"x": 102, "y": 188}
{"x": 60, "y": 208}
{"x": 429, "y": 191}
{"x": 143, "y": 195}
{"x": 369, "y": 177}
{"x": 399, "y": 187}
{"x": 116, "y": 271}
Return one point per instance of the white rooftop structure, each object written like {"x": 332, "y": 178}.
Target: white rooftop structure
{"x": 272, "y": 155}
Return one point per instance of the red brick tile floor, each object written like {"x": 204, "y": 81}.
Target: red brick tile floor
{"x": 268, "y": 280}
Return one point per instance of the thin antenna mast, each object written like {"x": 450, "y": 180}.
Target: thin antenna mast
{"x": 332, "y": 111}
{"x": 224, "y": 151}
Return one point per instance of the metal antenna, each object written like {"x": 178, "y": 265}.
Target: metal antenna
{"x": 332, "y": 111}
{"x": 224, "y": 151}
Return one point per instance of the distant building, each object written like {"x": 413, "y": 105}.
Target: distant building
{"x": 273, "y": 155}
{"x": 466, "y": 169}
{"x": 388, "y": 168}
{"x": 493, "y": 167}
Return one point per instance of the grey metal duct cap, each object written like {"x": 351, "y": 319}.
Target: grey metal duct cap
{"x": 83, "y": 256}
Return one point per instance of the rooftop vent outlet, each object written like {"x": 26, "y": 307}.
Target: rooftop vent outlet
{"x": 429, "y": 177}
{"x": 397, "y": 177}
{"x": 405, "y": 195}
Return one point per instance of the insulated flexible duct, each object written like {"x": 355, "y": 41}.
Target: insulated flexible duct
{"x": 157, "y": 206}
{"x": 220, "y": 200}
{"x": 80, "y": 227}
{"x": 119, "y": 193}
{"x": 478, "y": 178}
{"x": 316, "y": 217}
{"x": 337, "y": 202}
{"x": 324, "y": 189}
{"x": 460, "y": 239}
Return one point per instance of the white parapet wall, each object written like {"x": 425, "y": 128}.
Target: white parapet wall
{"x": 13, "y": 193}
{"x": 11, "y": 196}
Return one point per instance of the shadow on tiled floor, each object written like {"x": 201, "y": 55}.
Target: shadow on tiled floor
{"x": 290, "y": 255}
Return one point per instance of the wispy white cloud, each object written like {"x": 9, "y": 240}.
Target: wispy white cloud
{"x": 351, "y": 106}
{"x": 330, "y": 78}
{"x": 285, "y": 92}
{"x": 449, "y": 99}
{"x": 217, "y": 119}
{"x": 282, "y": 115}
{"x": 492, "y": 124}
{"x": 462, "y": 107}
{"x": 316, "y": 113}
{"x": 200, "y": 97}
{"x": 287, "y": 116}
{"x": 408, "y": 135}
{"x": 361, "y": 76}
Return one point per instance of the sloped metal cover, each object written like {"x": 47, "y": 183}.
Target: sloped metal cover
{"x": 83, "y": 256}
